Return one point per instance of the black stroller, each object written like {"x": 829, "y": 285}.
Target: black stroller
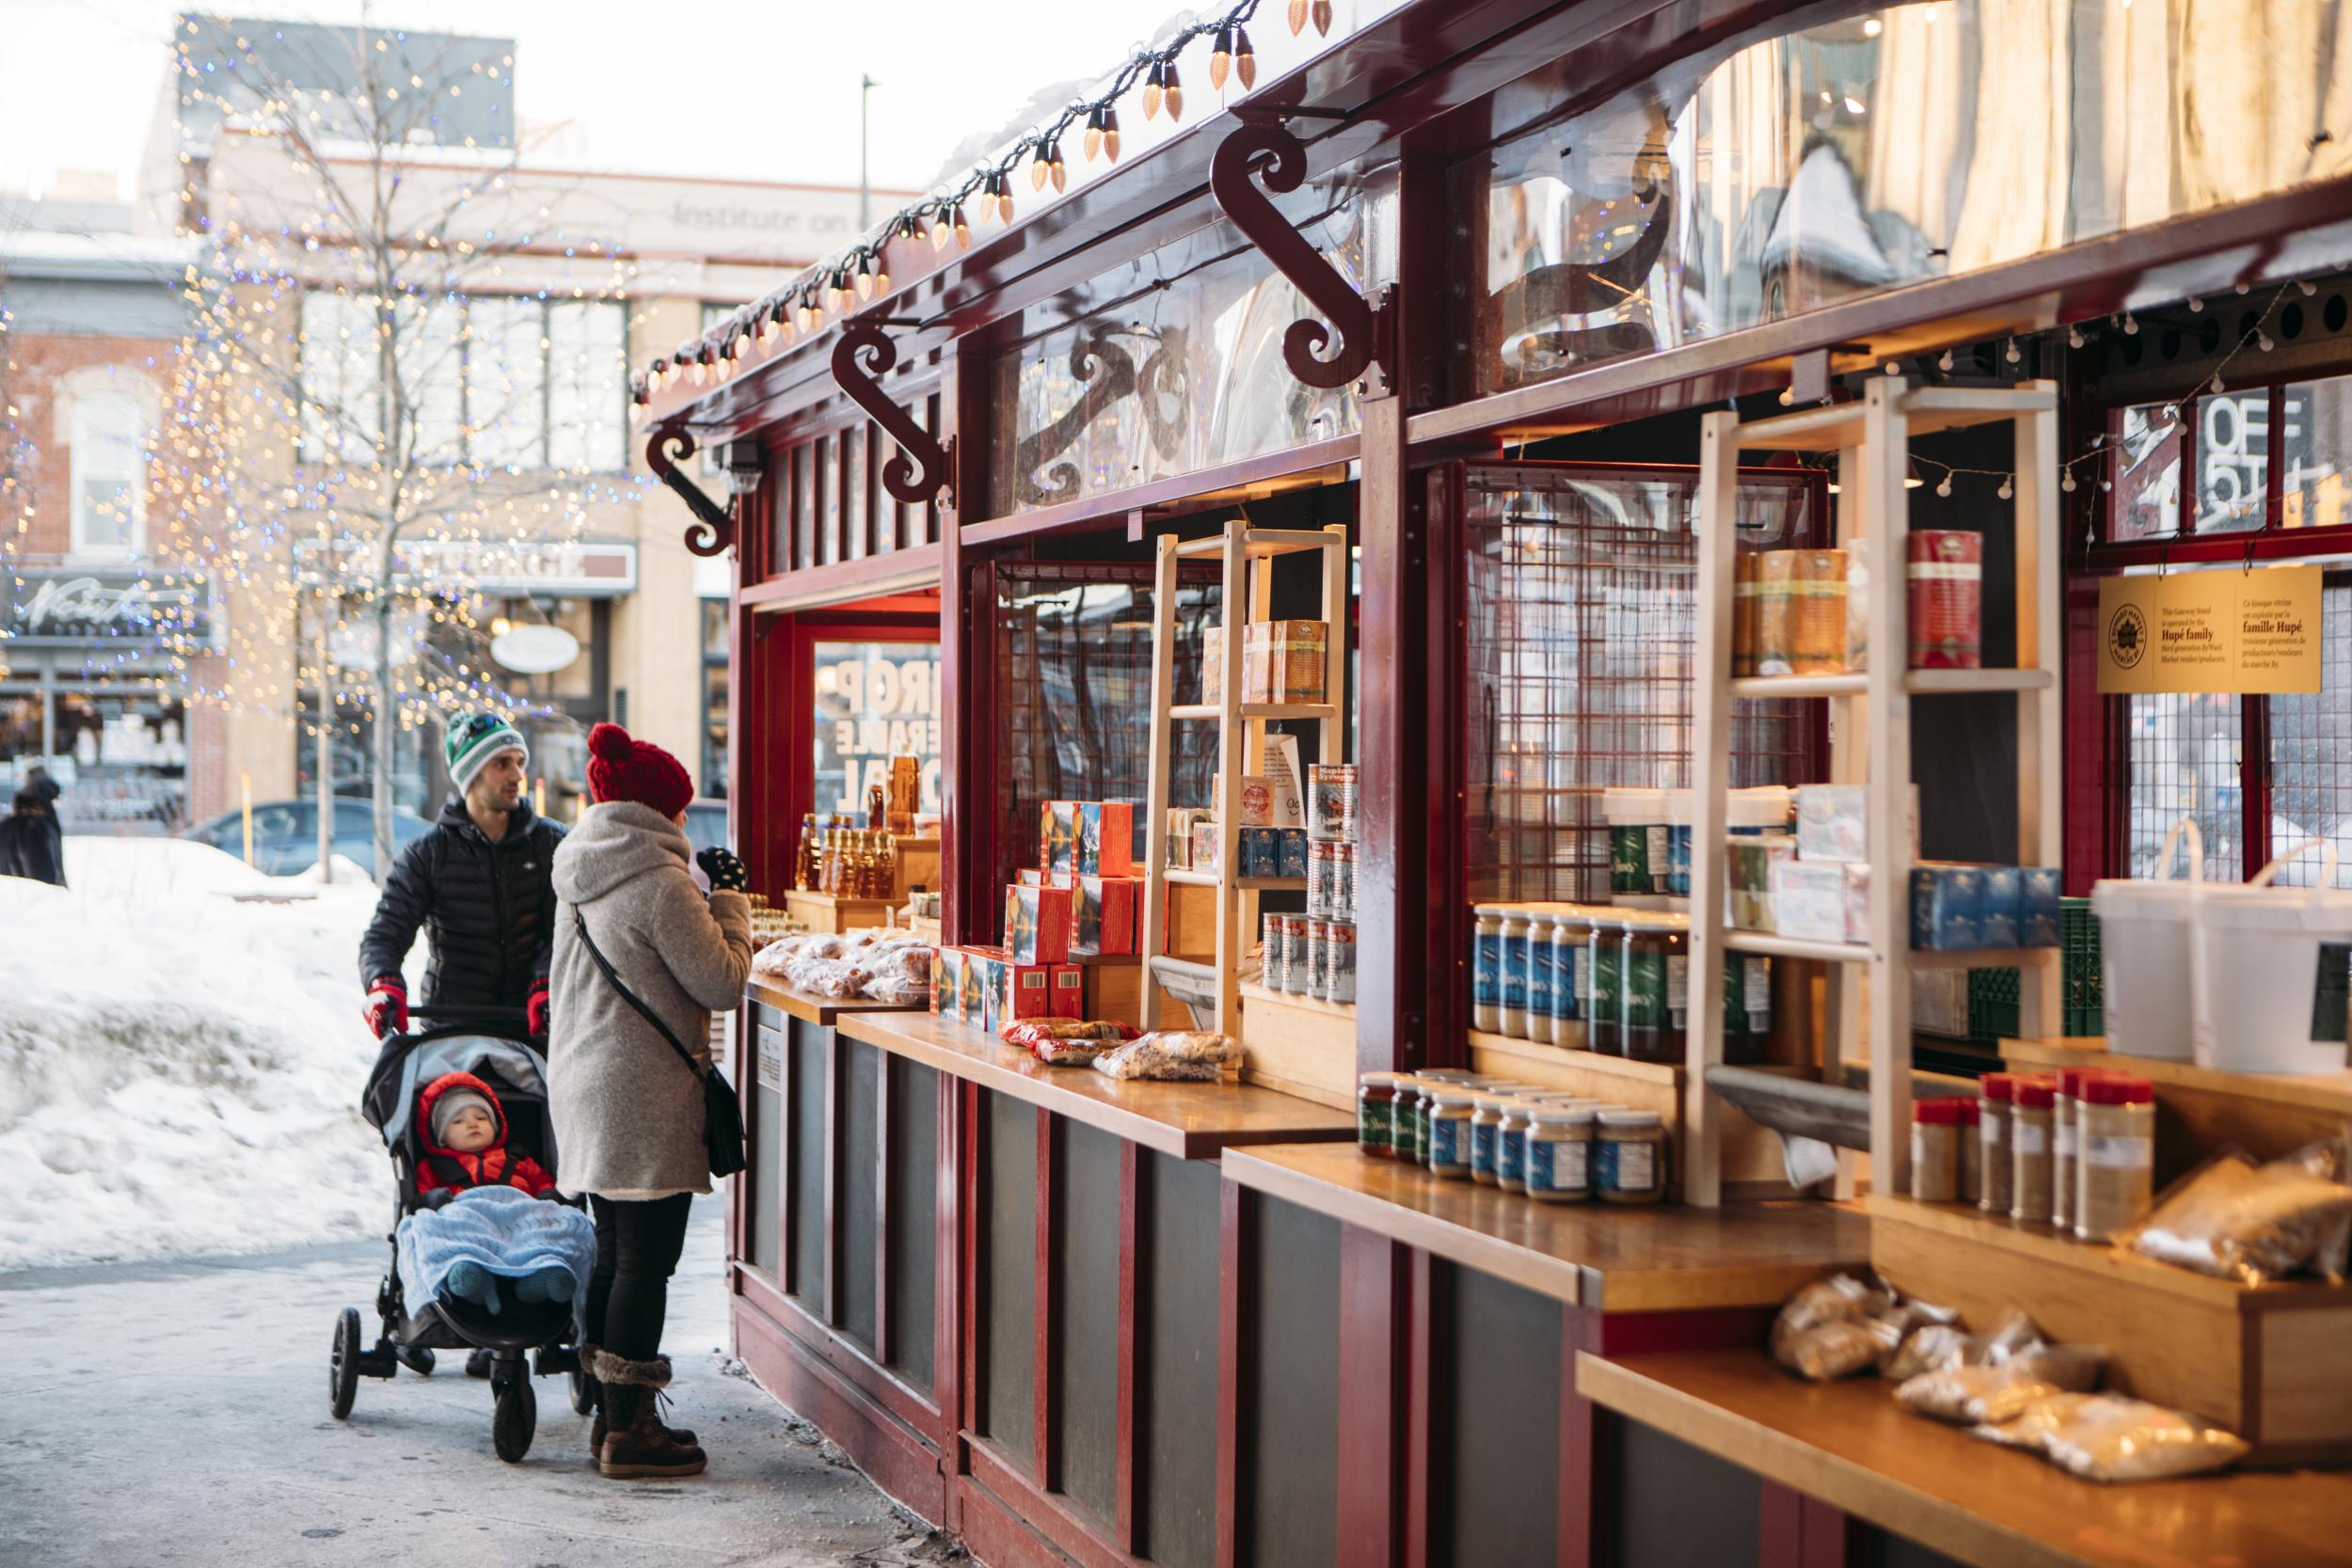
{"x": 487, "y": 1042}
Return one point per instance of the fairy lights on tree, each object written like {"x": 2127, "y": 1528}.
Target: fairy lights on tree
{"x": 405, "y": 374}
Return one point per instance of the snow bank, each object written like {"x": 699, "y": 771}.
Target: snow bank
{"x": 179, "y": 1072}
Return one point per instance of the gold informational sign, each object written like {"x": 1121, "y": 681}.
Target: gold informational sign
{"x": 2228, "y": 630}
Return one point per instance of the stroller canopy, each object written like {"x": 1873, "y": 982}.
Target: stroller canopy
{"x": 410, "y": 1061}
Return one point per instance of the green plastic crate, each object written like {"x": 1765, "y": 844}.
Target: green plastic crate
{"x": 1993, "y": 999}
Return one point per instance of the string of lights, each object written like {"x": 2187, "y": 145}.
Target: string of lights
{"x": 860, "y": 274}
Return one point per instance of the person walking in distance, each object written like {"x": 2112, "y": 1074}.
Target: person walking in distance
{"x": 642, "y": 960}
{"x": 480, "y": 884}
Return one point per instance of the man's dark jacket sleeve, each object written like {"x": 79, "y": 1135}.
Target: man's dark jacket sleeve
{"x": 399, "y": 910}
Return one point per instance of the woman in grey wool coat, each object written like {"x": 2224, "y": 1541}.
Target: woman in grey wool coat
{"x": 628, "y": 1110}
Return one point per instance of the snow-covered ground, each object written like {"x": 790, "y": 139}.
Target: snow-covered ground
{"x": 179, "y": 1071}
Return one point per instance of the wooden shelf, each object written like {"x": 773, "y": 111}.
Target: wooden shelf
{"x": 1663, "y": 1075}
{"x": 2265, "y": 1361}
{"x": 1191, "y": 1121}
{"x": 1852, "y": 1445}
{"x": 1186, "y": 877}
{"x": 825, "y": 1010}
{"x": 1856, "y": 953}
{"x": 1300, "y": 1045}
{"x": 1257, "y": 710}
{"x": 1918, "y": 683}
{"x": 1655, "y": 1258}
{"x": 2329, "y": 1093}
{"x": 1925, "y": 410}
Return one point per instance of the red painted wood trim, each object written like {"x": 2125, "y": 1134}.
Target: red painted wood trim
{"x": 1832, "y": 1538}
{"x": 844, "y": 1356}
{"x": 1042, "y": 1380}
{"x": 886, "y": 1315}
{"x": 1171, "y": 493}
{"x": 836, "y": 1065}
{"x": 1780, "y": 1531}
{"x": 1234, "y": 1215}
{"x": 948, "y": 1255}
{"x": 1705, "y": 1328}
{"x": 894, "y": 1457}
{"x": 786, "y": 1180}
{"x": 1412, "y": 1508}
{"x": 996, "y": 1484}
{"x": 1132, "y": 1326}
{"x": 840, "y": 581}
{"x": 1580, "y": 1447}
{"x": 976, "y": 1252}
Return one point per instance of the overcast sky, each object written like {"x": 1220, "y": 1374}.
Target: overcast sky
{"x": 741, "y": 88}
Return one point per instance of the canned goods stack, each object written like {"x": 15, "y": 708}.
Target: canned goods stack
{"x": 1327, "y": 966}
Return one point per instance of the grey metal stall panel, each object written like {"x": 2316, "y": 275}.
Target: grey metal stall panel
{"x": 1289, "y": 1388}
{"x": 1494, "y": 1420}
{"x": 1006, "y": 1411}
{"x": 857, "y": 1187}
{"x": 1176, "y": 1342}
{"x": 913, "y": 1240}
{"x": 1086, "y": 1316}
{"x": 812, "y": 1051}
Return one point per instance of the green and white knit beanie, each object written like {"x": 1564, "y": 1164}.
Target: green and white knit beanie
{"x": 473, "y": 740}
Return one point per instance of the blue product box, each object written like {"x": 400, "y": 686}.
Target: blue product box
{"x": 1293, "y": 852}
{"x": 1260, "y": 851}
{"x": 2038, "y": 924}
{"x": 1947, "y": 908}
{"x": 1997, "y": 926}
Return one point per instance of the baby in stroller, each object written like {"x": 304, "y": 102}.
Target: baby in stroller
{"x": 482, "y": 1251}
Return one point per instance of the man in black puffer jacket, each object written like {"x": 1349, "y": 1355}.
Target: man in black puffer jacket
{"x": 479, "y": 883}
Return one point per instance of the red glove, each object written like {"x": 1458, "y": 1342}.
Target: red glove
{"x": 387, "y": 1007}
{"x": 535, "y": 1009}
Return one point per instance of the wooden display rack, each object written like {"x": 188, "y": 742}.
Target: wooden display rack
{"x": 2199, "y": 1109}
{"x": 1871, "y": 744}
{"x": 1301, "y": 1050}
{"x": 831, "y": 914}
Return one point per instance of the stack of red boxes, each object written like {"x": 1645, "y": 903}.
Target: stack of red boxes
{"x": 1084, "y": 899}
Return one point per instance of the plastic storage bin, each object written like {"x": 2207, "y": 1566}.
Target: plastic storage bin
{"x": 2272, "y": 965}
{"x": 2150, "y": 999}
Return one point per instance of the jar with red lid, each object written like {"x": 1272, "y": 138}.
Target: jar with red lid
{"x": 1994, "y": 1107}
{"x": 2116, "y": 1169}
{"x": 1934, "y": 1149}
{"x": 2065, "y": 1120}
{"x": 1971, "y": 1142}
{"x": 2033, "y": 1102}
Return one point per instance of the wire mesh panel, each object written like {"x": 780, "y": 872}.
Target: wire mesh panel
{"x": 1073, "y": 685}
{"x": 2311, "y": 754}
{"x": 1582, "y": 595}
{"x": 2185, "y": 749}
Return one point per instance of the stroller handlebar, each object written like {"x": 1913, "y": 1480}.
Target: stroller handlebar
{"x": 462, "y": 1012}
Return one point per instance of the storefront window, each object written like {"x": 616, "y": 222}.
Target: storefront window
{"x": 2151, "y": 446}
{"x": 121, "y": 757}
{"x": 2315, "y": 454}
{"x": 109, "y": 475}
{"x": 2233, "y": 461}
{"x": 2311, "y": 753}
{"x": 1175, "y": 365}
{"x": 2185, "y": 755}
{"x": 1583, "y": 599}
{"x": 1745, "y": 184}
{"x": 875, "y": 701}
{"x": 715, "y": 755}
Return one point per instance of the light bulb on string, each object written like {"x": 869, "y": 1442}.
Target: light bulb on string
{"x": 1943, "y": 361}
{"x": 1322, "y": 17}
{"x": 1055, "y": 169}
{"x": 1174, "y": 94}
{"x": 2262, "y": 340}
{"x": 2066, "y": 481}
{"x": 1894, "y": 367}
{"x": 865, "y": 278}
{"x": 2015, "y": 356}
{"x": 2195, "y": 305}
{"x": 2217, "y": 387}
{"x": 1298, "y": 17}
{"x": 941, "y": 232}
{"x": 1091, "y": 143}
{"x": 1038, "y": 165}
{"x": 1110, "y": 132}
{"x": 2131, "y": 327}
{"x": 2073, "y": 337}
{"x": 2306, "y": 287}
{"x": 1154, "y": 88}
{"x": 1221, "y": 57}
{"x": 1944, "y": 485}
{"x": 1245, "y": 62}
{"x": 963, "y": 228}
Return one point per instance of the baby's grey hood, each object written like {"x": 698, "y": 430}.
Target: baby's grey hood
{"x": 614, "y": 844}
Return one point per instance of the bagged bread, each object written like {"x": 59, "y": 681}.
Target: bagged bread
{"x": 2113, "y": 1438}
{"x": 2000, "y": 1391}
{"x": 1026, "y": 1032}
{"x": 1824, "y": 1301}
{"x": 2235, "y": 1219}
{"x": 1932, "y": 1348}
{"x": 1194, "y": 1045}
{"x": 1838, "y": 1348}
{"x": 2032, "y": 1425}
{"x": 1173, "y": 1055}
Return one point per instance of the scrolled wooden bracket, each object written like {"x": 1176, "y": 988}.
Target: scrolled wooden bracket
{"x": 921, "y": 469}
{"x": 713, "y": 529}
{"x": 1365, "y": 330}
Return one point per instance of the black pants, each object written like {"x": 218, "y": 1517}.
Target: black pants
{"x": 637, "y": 1250}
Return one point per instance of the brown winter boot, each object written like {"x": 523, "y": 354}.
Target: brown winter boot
{"x": 588, "y": 1354}
{"x": 635, "y": 1442}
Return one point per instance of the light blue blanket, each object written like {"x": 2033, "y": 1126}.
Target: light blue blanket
{"x": 507, "y": 1232}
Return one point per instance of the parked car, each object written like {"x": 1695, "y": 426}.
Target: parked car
{"x": 286, "y": 834}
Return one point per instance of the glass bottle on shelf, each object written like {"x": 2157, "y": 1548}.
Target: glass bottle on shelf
{"x": 875, "y": 810}
{"x": 804, "y": 859}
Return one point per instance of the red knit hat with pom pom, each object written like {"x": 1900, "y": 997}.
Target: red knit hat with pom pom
{"x": 620, "y": 768}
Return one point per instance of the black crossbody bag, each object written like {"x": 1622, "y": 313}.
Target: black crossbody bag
{"x": 722, "y": 1116}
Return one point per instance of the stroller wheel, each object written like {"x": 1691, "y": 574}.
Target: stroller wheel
{"x": 514, "y": 1421}
{"x": 343, "y": 1366}
{"x": 417, "y": 1359}
{"x": 584, "y": 1392}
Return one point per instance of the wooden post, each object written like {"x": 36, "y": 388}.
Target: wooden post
{"x": 2041, "y": 821}
{"x": 1711, "y": 781}
{"x": 1885, "y": 507}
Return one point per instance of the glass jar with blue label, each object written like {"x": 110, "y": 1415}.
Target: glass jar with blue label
{"x": 1487, "y": 967}
{"x": 1560, "y": 1154}
{"x": 1449, "y": 1112}
{"x": 1511, "y": 1016}
{"x": 1571, "y": 982}
{"x": 1679, "y": 807}
{"x": 1511, "y": 1144}
{"x": 1539, "y": 972}
{"x": 1604, "y": 967}
{"x": 1485, "y": 1124}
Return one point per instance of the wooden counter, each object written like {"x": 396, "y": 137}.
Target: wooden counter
{"x": 1610, "y": 1259}
{"x": 1852, "y": 1445}
{"x": 824, "y": 1010}
{"x": 1191, "y": 1121}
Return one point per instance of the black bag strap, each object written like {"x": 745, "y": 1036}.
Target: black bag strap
{"x": 450, "y": 1171}
{"x": 580, "y": 925}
